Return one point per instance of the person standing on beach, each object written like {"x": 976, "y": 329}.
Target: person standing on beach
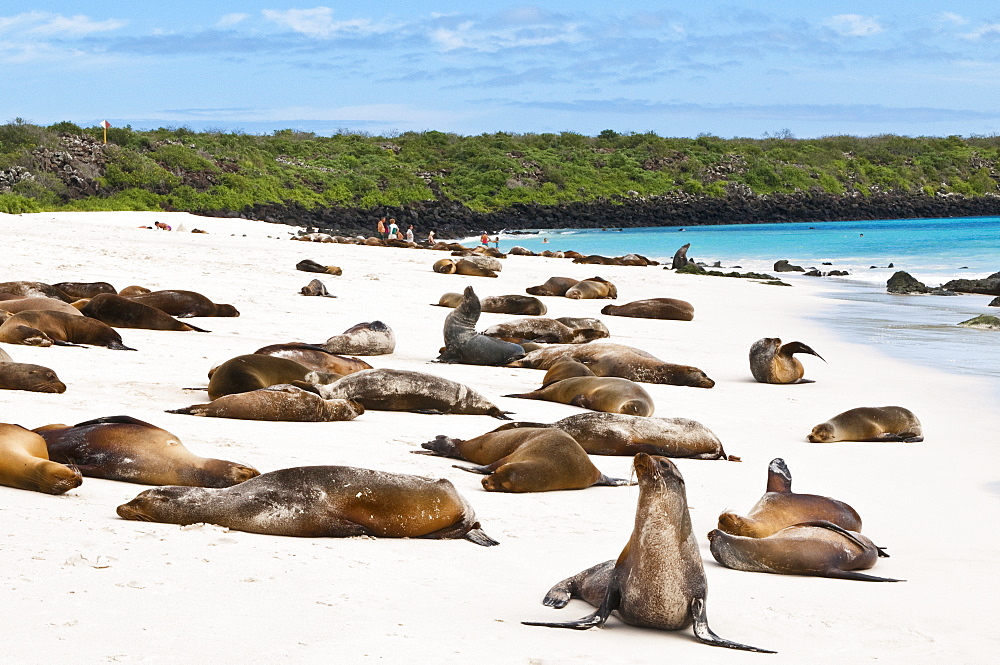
{"x": 393, "y": 228}
{"x": 409, "y": 233}
{"x": 380, "y": 229}
{"x": 485, "y": 239}
{"x": 496, "y": 242}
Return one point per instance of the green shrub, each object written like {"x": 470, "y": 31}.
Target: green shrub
{"x": 16, "y": 204}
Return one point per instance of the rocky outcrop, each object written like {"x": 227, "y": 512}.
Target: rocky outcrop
{"x": 784, "y": 266}
{"x": 989, "y": 286}
{"x": 995, "y": 302}
{"x": 904, "y": 283}
{"x": 983, "y": 321}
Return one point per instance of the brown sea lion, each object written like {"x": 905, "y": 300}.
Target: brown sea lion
{"x": 282, "y": 402}
{"x": 320, "y": 501}
{"x": 780, "y": 508}
{"x": 34, "y": 290}
{"x": 592, "y": 287}
{"x": 120, "y": 312}
{"x": 597, "y": 259}
{"x": 38, "y": 304}
{"x": 252, "y": 372}
{"x": 25, "y": 463}
{"x": 4, "y": 358}
{"x": 772, "y": 362}
{"x": 462, "y": 344}
{"x": 658, "y": 580}
{"x": 867, "y": 423}
{"x": 124, "y": 448}
{"x": 509, "y": 304}
{"x": 525, "y": 460}
{"x": 444, "y": 266}
{"x": 585, "y": 322}
{"x": 130, "y": 291}
{"x": 463, "y": 267}
{"x": 565, "y": 368}
{"x": 553, "y": 286}
{"x": 308, "y": 265}
{"x": 539, "y": 329}
{"x": 372, "y": 338}
{"x": 84, "y": 289}
{"x": 815, "y": 548}
{"x": 184, "y": 304}
{"x": 315, "y": 358}
{"x": 597, "y": 393}
{"x": 316, "y": 288}
{"x": 25, "y": 376}
{"x": 43, "y": 328}
{"x": 400, "y": 390}
{"x": 669, "y": 309}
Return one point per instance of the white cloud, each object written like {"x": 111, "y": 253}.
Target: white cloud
{"x": 989, "y": 30}
{"x": 319, "y": 22}
{"x": 48, "y": 24}
{"x": 854, "y": 25}
{"x": 477, "y": 37}
{"x": 950, "y": 17}
{"x": 232, "y": 19}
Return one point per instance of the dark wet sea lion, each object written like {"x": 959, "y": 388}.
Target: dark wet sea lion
{"x": 41, "y": 328}
{"x": 315, "y": 358}
{"x": 658, "y": 581}
{"x": 653, "y": 308}
{"x": 780, "y": 508}
{"x": 25, "y": 376}
{"x": 592, "y": 288}
{"x": 120, "y": 312}
{"x": 38, "y": 304}
{"x": 282, "y": 402}
{"x": 814, "y": 548}
{"x": 525, "y": 460}
{"x": 25, "y": 463}
{"x": 462, "y": 344}
{"x": 84, "y": 289}
{"x": 553, "y": 286}
{"x": 35, "y": 290}
{"x": 609, "y": 394}
{"x": 772, "y": 362}
{"x": 252, "y": 372}
{"x": 868, "y": 423}
{"x": 184, "y": 304}
{"x": 540, "y": 329}
{"x": 320, "y": 501}
{"x": 124, "y": 448}
{"x": 372, "y": 338}
{"x": 400, "y": 390}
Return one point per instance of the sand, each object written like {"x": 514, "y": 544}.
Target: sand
{"x": 80, "y": 583}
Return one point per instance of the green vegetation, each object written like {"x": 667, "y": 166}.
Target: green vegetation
{"x": 64, "y": 166}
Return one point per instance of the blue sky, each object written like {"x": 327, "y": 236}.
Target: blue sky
{"x": 908, "y": 67}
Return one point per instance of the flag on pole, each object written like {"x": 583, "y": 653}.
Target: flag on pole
{"x": 105, "y": 124}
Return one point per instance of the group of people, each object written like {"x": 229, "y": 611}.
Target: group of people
{"x": 389, "y": 230}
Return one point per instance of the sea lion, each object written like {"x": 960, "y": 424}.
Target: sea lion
{"x": 618, "y": 360}
{"x": 25, "y": 376}
{"x": 128, "y": 449}
{"x": 815, "y": 548}
{"x": 539, "y": 329}
{"x": 658, "y": 581}
{"x": 509, "y": 304}
{"x": 585, "y": 322}
{"x": 34, "y": 290}
{"x": 780, "y": 508}
{"x": 772, "y": 362}
{"x": 184, "y": 304}
{"x": 591, "y": 288}
{"x": 654, "y": 308}
{"x": 315, "y": 358}
{"x": 364, "y": 339}
{"x": 25, "y": 463}
{"x": 444, "y": 266}
{"x": 41, "y": 328}
{"x": 462, "y": 344}
{"x": 597, "y": 393}
{"x": 120, "y": 312}
{"x": 38, "y": 304}
{"x": 316, "y": 288}
{"x": 308, "y": 265}
{"x": 463, "y": 267}
{"x": 525, "y": 460}
{"x": 280, "y": 402}
{"x": 130, "y": 291}
{"x": 320, "y": 501}
{"x": 4, "y": 358}
{"x": 252, "y": 372}
{"x": 867, "y": 423}
{"x": 680, "y": 257}
{"x": 565, "y": 368}
{"x": 553, "y": 286}
{"x": 84, "y": 289}
{"x": 399, "y": 390}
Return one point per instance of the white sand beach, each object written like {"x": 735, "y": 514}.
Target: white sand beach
{"x": 79, "y": 583}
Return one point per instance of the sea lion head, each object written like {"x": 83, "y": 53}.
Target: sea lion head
{"x": 656, "y": 470}
{"x": 160, "y": 504}
{"x": 226, "y": 310}
{"x": 35, "y": 378}
{"x": 220, "y": 473}
{"x": 694, "y": 377}
{"x": 822, "y": 433}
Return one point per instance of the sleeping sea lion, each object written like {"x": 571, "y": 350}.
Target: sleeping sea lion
{"x": 316, "y": 288}
{"x": 565, "y": 368}
{"x": 867, "y": 423}
{"x": 42, "y": 328}
{"x": 597, "y": 393}
{"x": 653, "y": 308}
{"x": 35, "y": 290}
{"x": 133, "y": 290}
{"x": 120, "y": 312}
{"x": 509, "y": 304}
{"x": 772, "y": 362}
{"x": 38, "y": 304}
{"x": 547, "y": 331}
{"x": 25, "y": 463}
{"x": 315, "y": 358}
{"x": 282, "y": 402}
{"x": 84, "y": 289}
{"x": 308, "y": 265}
{"x": 463, "y": 267}
{"x": 184, "y": 304}
{"x": 364, "y": 339}
{"x": 592, "y": 287}
{"x": 252, "y": 372}
{"x": 462, "y": 344}
{"x": 553, "y": 286}
{"x": 25, "y": 376}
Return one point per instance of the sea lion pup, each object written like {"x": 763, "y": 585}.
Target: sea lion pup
{"x": 654, "y": 308}
{"x": 184, "y": 304}
{"x": 316, "y": 288}
{"x": 462, "y": 344}
{"x": 866, "y": 423}
{"x": 372, "y": 338}
{"x": 565, "y": 368}
{"x": 815, "y": 548}
{"x": 84, "y": 289}
{"x": 120, "y": 312}
{"x": 41, "y": 328}
{"x": 400, "y": 390}
{"x": 254, "y": 371}
{"x": 34, "y": 290}
{"x": 282, "y": 402}
{"x": 525, "y": 460}
{"x": 618, "y": 360}
{"x": 25, "y": 463}
{"x": 539, "y": 329}
{"x": 593, "y": 287}
{"x": 780, "y": 508}
{"x": 772, "y": 362}
{"x": 315, "y": 358}
{"x": 133, "y": 290}
{"x": 658, "y": 581}
{"x": 308, "y": 265}
{"x": 128, "y": 449}
{"x": 597, "y": 393}
{"x": 38, "y": 304}
{"x": 553, "y": 286}
{"x": 320, "y": 501}
{"x": 25, "y": 376}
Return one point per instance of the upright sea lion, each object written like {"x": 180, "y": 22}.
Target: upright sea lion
{"x": 184, "y": 304}
{"x": 597, "y": 393}
{"x": 315, "y": 358}
{"x": 320, "y": 501}
{"x": 772, "y": 362}
{"x": 281, "y": 402}
{"x": 658, "y": 581}
{"x": 592, "y": 287}
{"x": 308, "y": 265}
{"x": 316, "y": 288}
{"x": 38, "y": 304}
{"x": 653, "y": 308}
{"x": 364, "y": 339}
{"x": 25, "y": 463}
{"x": 780, "y": 508}
{"x": 120, "y": 312}
{"x": 539, "y": 329}
{"x": 680, "y": 257}
{"x": 525, "y": 460}
{"x": 124, "y": 448}
{"x": 462, "y": 344}
{"x": 25, "y": 376}
{"x": 252, "y": 372}
{"x": 553, "y": 286}
{"x": 35, "y": 290}
{"x": 399, "y": 390}
{"x": 84, "y": 289}
{"x": 867, "y": 423}
{"x": 815, "y": 548}
{"x": 41, "y": 328}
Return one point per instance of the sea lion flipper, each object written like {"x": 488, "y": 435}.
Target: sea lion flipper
{"x": 799, "y": 347}
{"x": 482, "y": 470}
{"x": 593, "y": 620}
{"x": 856, "y": 576}
{"x": 705, "y": 634}
{"x": 824, "y": 524}
{"x": 614, "y": 482}
{"x": 479, "y": 537}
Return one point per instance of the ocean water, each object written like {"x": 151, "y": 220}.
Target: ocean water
{"x": 920, "y": 329}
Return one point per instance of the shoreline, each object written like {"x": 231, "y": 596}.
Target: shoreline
{"x": 73, "y": 569}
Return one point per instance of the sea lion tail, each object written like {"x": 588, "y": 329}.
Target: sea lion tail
{"x": 196, "y": 328}
{"x": 119, "y": 346}
{"x": 479, "y": 537}
{"x": 705, "y": 634}
{"x": 856, "y": 576}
